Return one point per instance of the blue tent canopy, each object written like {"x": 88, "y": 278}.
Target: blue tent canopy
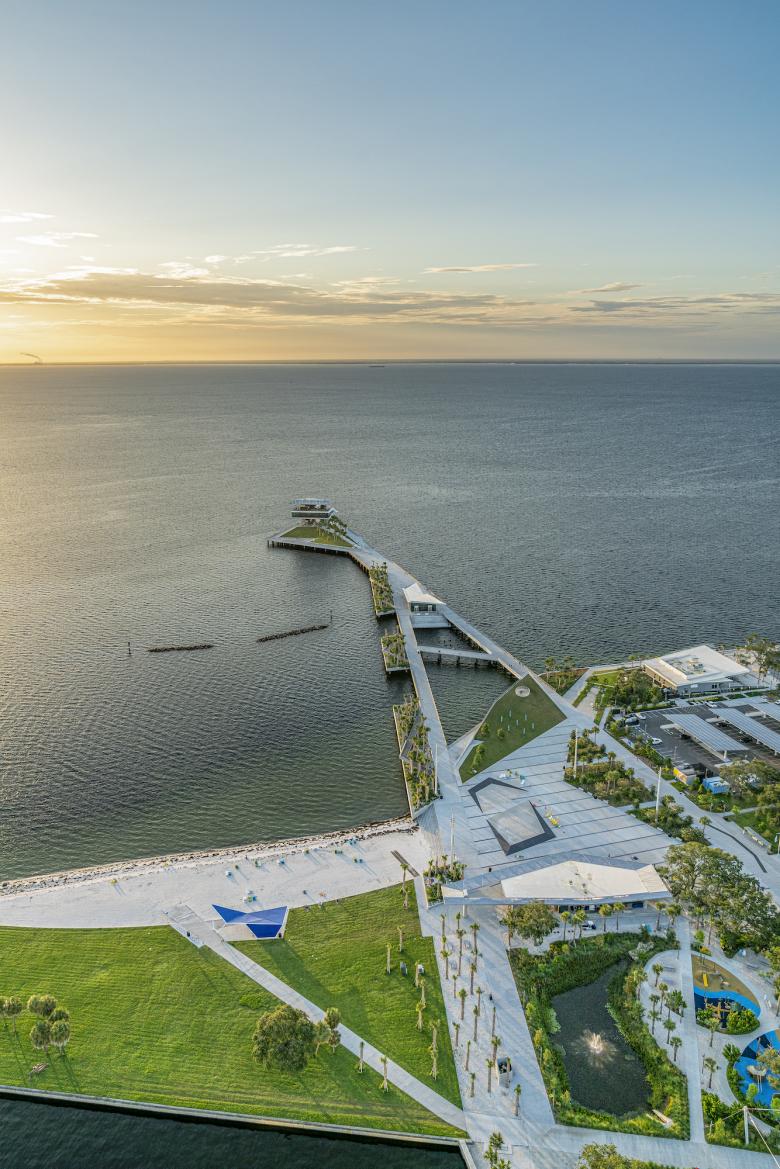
{"x": 263, "y": 923}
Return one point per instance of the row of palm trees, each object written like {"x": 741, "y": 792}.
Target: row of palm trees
{"x": 394, "y": 650}
{"x": 52, "y": 1023}
{"x": 416, "y": 755}
{"x": 381, "y": 592}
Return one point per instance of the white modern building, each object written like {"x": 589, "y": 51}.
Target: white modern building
{"x": 424, "y": 607}
{"x": 698, "y": 670}
{"x": 312, "y": 511}
{"x": 569, "y": 881}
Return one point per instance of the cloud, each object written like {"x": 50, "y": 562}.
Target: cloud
{"x": 477, "y": 268}
{"x": 714, "y": 305}
{"x": 182, "y": 269}
{"x": 22, "y": 216}
{"x": 616, "y": 286}
{"x": 195, "y": 296}
{"x": 298, "y": 251}
{"x": 215, "y": 259}
{"x": 55, "y": 239}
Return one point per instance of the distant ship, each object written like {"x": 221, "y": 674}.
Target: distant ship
{"x": 376, "y": 365}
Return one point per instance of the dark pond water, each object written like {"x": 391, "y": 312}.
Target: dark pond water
{"x": 604, "y": 1073}
{"x": 40, "y": 1136}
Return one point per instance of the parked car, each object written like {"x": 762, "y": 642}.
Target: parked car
{"x": 589, "y": 925}
{"x": 656, "y": 742}
{"x": 631, "y": 720}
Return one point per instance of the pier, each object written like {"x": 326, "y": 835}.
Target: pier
{"x": 470, "y": 657}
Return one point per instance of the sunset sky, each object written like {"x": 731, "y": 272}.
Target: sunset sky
{"x": 253, "y": 180}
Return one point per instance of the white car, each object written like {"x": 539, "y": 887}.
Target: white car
{"x": 656, "y": 742}
{"x": 589, "y": 925}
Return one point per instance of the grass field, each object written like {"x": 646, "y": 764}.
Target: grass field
{"x": 510, "y": 723}
{"x": 336, "y": 956}
{"x": 155, "y": 1019}
{"x": 317, "y": 535}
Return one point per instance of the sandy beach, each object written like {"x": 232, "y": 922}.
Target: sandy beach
{"x": 304, "y": 871}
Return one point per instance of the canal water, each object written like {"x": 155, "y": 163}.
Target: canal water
{"x": 604, "y": 1073}
{"x": 43, "y": 1136}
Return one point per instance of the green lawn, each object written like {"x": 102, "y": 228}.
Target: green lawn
{"x": 316, "y": 535}
{"x": 510, "y": 723}
{"x": 155, "y": 1019}
{"x": 336, "y": 955}
{"x": 749, "y": 820}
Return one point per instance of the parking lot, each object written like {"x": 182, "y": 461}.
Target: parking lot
{"x": 685, "y": 752}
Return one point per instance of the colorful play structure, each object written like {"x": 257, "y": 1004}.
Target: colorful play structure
{"x": 751, "y": 1072}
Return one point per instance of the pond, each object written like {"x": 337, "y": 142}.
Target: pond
{"x": 604, "y": 1073}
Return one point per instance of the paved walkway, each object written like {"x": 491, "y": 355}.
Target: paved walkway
{"x": 203, "y": 932}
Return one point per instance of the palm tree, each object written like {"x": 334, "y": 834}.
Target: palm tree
{"x": 462, "y": 996}
{"x": 605, "y": 911}
{"x": 472, "y": 972}
{"x": 473, "y": 1082}
{"x": 496, "y": 1043}
{"x": 474, "y": 931}
{"x": 565, "y": 918}
{"x": 461, "y": 933}
{"x": 731, "y": 1053}
{"x": 422, "y": 992}
{"x": 60, "y": 1035}
{"x": 518, "y": 1091}
{"x": 617, "y": 909}
{"x": 400, "y": 939}
{"x": 669, "y": 1026}
{"x": 675, "y": 1043}
{"x": 710, "y": 1065}
{"x": 11, "y": 1008}
{"x": 489, "y": 1063}
{"x": 475, "y": 1013}
{"x": 655, "y": 1015}
{"x": 468, "y": 1054}
{"x": 579, "y": 919}
{"x": 40, "y": 1035}
{"x": 420, "y": 1009}
{"x": 657, "y": 970}
{"x": 660, "y": 907}
{"x": 456, "y": 1029}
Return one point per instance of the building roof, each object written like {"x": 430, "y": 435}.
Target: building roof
{"x": 571, "y": 878}
{"x": 512, "y": 817}
{"x": 699, "y": 665}
{"x": 417, "y": 595}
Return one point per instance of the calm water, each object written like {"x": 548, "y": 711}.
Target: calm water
{"x": 40, "y": 1136}
{"x": 596, "y": 510}
{"x": 582, "y": 509}
{"x": 604, "y": 1073}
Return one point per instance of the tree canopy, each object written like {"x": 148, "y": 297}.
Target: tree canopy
{"x": 713, "y": 886}
{"x": 284, "y": 1038}
{"x": 533, "y": 921}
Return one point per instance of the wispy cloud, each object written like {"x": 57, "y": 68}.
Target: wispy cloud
{"x": 22, "y": 216}
{"x": 476, "y": 268}
{"x": 55, "y": 239}
{"x": 298, "y": 251}
{"x": 616, "y": 286}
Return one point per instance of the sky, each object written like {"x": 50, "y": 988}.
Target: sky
{"x": 346, "y": 180}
